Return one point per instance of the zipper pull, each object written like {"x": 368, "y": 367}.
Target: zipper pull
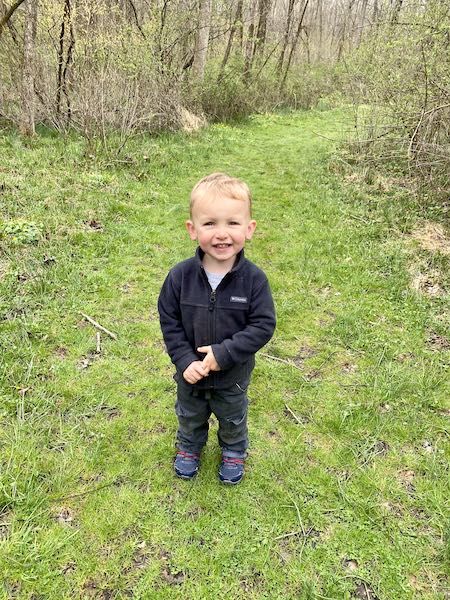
{"x": 212, "y": 300}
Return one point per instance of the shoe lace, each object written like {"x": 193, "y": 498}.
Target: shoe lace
{"x": 185, "y": 454}
{"x": 233, "y": 460}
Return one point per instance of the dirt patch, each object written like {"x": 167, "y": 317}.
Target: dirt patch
{"x": 406, "y": 478}
{"x": 253, "y": 582}
{"x": 350, "y": 564}
{"x": 141, "y": 557}
{"x": 5, "y": 525}
{"x": 65, "y": 516}
{"x": 304, "y": 353}
{"x": 61, "y": 352}
{"x": 437, "y": 342}
{"x": 92, "y": 589}
{"x": 111, "y": 412}
{"x": 364, "y": 591}
{"x": 94, "y": 224}
{"x": 379, "y": 448}
{"x": 173, "y": 578}
{"x": 432, "y": 237}
{"x": 86, "y": 361}
{"x": 428, "y": 283}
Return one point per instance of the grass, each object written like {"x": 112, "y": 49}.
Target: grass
{"x": 346, "y": 492}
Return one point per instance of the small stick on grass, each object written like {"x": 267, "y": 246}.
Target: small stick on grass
{"x": 98, "y": 326}
{"x": 286, "y": 535}
{"x": 98, "y": 340}
{"x": 293, "y": 415}
{"x": 284, "y": 361}
{"x": 86, "y": 492}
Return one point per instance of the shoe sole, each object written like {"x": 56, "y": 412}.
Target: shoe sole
{"x": 229, "y": 482}
{"x": 186, "y": 477}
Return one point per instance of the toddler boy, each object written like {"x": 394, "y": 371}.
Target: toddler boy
{"x": 216, "y": 311}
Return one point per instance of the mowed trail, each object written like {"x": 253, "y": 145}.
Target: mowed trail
{"x": 346, "y": 479}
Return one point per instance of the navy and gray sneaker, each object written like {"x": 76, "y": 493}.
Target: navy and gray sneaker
{"x": 231, "y": 470}
{"x": 186, "y": 464}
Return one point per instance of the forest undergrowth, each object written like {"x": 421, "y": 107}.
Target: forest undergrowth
{"x": 346, "y": 490}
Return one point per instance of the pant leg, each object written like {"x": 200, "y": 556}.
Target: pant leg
{"x": 193, "y": 412}
{"x": 230, "y": 407}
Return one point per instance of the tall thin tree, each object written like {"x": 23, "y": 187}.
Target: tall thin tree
{"x": 27, "y": 120}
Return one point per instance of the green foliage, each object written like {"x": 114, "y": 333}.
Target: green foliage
{"x": 401, "y": 73}
{"x": 20, "y": 232}
{"x": 228, "y": 95}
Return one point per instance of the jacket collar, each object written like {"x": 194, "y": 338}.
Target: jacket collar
{"x": 240, "y": 259}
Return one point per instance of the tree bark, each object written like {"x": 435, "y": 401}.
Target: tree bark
{"x": 27, "y": 125}
{"x": 248, "y": 59}
{"x": 396, "y": 11}
{"x": 295, "y": 42}
{"x": 9, "y": 13}
{"x": 234, "y": 27}
{"x": 286, "y": 35}
{"x": 261, "y": 32}
{"x": 202, "y": 39}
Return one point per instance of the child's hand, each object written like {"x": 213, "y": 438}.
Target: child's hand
{"x": 195, "y": 371}
{"x": 209, "y": 362}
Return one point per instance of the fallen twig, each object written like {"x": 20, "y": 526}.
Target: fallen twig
{"x": 286, "y": 362}
{"x": 86, "y": 492}
{"x": 293, "y": 415}
{"x": 286, "y": 535}
{"x": 98, "y": 326}
{"x": 303, "y": 533}
{"x": 98, "y": 340}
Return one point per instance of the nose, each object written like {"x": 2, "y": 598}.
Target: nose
{"x": 221, "y": 233}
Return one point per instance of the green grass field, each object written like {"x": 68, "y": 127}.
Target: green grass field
{"x": 346, "y": 492}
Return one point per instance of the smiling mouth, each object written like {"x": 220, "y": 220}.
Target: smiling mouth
{"x": 221, "y": 245}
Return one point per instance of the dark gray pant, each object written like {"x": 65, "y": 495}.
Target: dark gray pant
{"x": 194, "y": 407}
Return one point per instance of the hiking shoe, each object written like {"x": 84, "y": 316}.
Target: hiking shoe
{"x": 231, "y": 470}
{"x": 186, "y": 464}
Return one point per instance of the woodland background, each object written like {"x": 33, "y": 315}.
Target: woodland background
{"x": 133, "y": 66}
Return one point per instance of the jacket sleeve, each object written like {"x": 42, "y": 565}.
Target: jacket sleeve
{"x": 177, "y": 344}
{"x": 245, "y": 343}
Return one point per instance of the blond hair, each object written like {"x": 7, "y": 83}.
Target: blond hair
{"x": 221, "y": 184}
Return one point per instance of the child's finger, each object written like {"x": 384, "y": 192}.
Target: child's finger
{"x": 204, "y": 349}
{"x": 200, "y": 370}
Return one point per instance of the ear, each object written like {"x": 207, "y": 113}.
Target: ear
{"x": 191, "y": 230}
{"x": 250, "y": 229}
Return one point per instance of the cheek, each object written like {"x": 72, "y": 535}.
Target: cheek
{"x": 204, "y": 237}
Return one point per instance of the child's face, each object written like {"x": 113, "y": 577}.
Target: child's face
{"x": 221, "y": 226}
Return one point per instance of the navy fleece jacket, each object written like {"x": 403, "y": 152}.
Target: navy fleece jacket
{"x": 236, "y": 319}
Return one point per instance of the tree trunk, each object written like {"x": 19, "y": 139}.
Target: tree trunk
{"x": 396, "y": 11}
{"x": 286, "y": 36}
{"x": 295, "y": 42}
{"x": 248, "y": 59}
{"x": 202, "y": 39}
{"x": 344, "y": 28}
{"x": 230, "y": 39}
{"x": 240, "y": 23}
{"x": 261, "y": 32}
{"x": 9, "y": 13}
{"x": 27, "y": 126}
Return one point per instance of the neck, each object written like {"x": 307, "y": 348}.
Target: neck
{"x": 221, "y": 268}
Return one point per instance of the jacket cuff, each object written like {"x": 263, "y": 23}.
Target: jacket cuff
{"x": 222, "y": 356}
{"x": 183, "y": 363}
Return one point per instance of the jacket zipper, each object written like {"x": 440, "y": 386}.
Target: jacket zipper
{"x": 212, "y": 312}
